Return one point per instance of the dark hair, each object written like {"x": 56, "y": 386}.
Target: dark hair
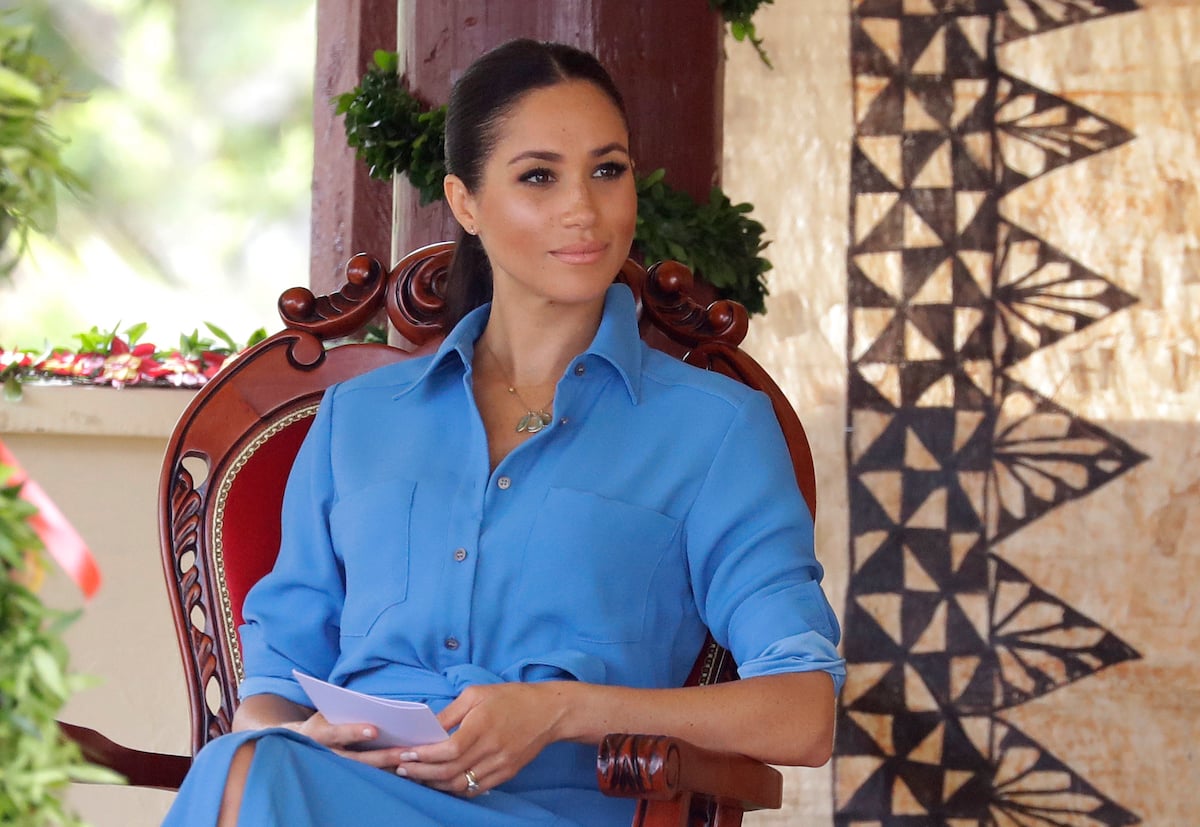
{"x": 479, "y": 102}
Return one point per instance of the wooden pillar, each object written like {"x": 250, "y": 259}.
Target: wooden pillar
{"x": 665, "y": 56}
{"x": 351, "y": 213}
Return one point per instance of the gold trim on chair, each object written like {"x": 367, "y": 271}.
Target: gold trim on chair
{"x": 229, "y": 633}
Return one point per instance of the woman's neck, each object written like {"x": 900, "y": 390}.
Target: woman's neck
{"x": 532, "y": 349}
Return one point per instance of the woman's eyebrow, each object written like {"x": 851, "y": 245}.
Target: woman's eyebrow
{"x": 615, "y": 146}
{"x": 535, "y": 155}
{"x": 555, "y": 157}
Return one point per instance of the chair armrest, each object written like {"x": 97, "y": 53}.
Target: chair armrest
{"x": 657, "y": 767}
{"x": 141, "y": 769}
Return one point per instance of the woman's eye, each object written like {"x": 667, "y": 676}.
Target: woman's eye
{"x": 612, "y": 169}
{"x": 541, "y": 175}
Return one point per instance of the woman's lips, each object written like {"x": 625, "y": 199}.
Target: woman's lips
{"x": 586, "y": 253}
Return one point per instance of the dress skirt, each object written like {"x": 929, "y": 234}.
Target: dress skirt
{"x": 296, "y": 782}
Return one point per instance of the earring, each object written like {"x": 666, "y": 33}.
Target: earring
{"x": 471, "y": 230}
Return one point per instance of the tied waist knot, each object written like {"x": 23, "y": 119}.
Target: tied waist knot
{"x": 412, "y": 683}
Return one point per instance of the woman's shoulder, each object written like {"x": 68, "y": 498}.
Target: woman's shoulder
{"x": 388, "y": 380}
{"x": 665, "y": 374}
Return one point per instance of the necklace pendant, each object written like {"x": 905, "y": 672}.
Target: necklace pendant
{"x": 533, "y": 421}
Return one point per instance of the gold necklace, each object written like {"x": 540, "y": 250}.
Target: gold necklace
{"x": 534, "y": 419}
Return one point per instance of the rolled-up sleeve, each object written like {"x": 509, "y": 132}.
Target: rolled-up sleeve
{"x": 292, "y": 615}
{"x": 754, "y": 571}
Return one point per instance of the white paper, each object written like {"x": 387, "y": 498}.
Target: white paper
{"x": 400, "y": 723}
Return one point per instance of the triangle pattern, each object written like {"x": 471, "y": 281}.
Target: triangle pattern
{"x": 948, "y": 455}
{"x": 864, "y": 678}
{"x": 885, "y": 36}
{"x": 1043, "y": 643}
{"x": 1040, "y": 132}
{"x": 1025, "y": 18}
{"x": 938, "y": 287}
{"x": 932, "y": 60}
{"x": 1046, "y": 456}
{"x": 1032, "y": 787}
{"x": 885, "y": 271}
{"x": 1043, "y": 295}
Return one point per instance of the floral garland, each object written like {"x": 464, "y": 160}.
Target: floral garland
{"x": 106, "y": 358}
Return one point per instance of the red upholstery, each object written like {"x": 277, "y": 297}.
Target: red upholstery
{"x": 249, "y": 525}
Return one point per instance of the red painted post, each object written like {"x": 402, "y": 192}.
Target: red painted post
{"x": 351, "y": 213}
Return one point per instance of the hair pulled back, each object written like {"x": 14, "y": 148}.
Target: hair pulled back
{"x": 480, "y": 100}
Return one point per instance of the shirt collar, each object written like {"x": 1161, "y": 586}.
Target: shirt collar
{"x": 616, "y": 342}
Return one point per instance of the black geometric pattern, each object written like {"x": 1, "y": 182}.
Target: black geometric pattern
{"x": 1043, "y": 295}
{"x": 947, "y": 453}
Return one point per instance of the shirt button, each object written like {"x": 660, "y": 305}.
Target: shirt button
{"x": 460, "y": 554}
{"x": 563, "y": 421}
{"x": 580, "y": 370}
{"x": 451, "y": 643}
{"x": 504, "y": 483}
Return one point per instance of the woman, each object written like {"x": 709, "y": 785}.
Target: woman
{"x": 537, "y": 582}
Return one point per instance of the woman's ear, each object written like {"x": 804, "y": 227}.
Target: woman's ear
{"x": 461, "y": 203}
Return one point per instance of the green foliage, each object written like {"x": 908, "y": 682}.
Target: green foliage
{"x": 718, "y": 239}
{"x": 30, "y": 152}
{"x": 36, "y": 761}
{"x": 739, "y": 15}
{"x": 194, "y": 345}
{"x": 392, "y": 132}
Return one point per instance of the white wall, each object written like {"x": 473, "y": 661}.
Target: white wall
{"x": 96, "y": 452}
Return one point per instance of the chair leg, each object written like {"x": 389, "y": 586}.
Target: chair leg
{"x": 728, "y": 816}
{"x": 673, "y": 813}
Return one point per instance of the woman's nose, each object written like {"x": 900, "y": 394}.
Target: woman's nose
{"x": 580, "y": 210}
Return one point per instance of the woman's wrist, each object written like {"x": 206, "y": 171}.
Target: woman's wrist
{"x": 266, "y": 710}
{"x": 567, "y": 703}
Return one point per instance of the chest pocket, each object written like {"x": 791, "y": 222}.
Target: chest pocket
{"x": 591, "y": 563}
{"x": 371, "y": 533}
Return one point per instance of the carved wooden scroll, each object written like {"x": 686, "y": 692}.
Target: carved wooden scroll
{"x": 661, "y": 768}
{"x": 416, "y": 303}
{"x": 341, "y": 313}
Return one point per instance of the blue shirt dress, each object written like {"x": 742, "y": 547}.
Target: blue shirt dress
{"x": 660, "y": 503}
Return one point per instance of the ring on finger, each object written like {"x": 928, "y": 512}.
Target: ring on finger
{"x": 472, "y": 781}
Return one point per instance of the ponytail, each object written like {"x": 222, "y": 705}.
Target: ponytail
{"x": 468, "y": 280}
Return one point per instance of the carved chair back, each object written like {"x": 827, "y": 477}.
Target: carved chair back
{"x": 225, "y": 468}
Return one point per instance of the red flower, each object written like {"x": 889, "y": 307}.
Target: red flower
{"x": 130, "y": 367}
{"x": 15, "y": 358}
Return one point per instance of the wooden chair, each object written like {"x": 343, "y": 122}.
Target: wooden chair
{"x": 222, "y": 484}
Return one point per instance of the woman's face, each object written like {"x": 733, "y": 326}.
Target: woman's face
{"x": 556, "y": 205}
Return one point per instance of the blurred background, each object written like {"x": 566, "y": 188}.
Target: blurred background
{"x": 192, "y": 130}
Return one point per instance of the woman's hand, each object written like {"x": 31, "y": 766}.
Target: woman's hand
{"x": 262, "y": 711}
{"x": 342, "y": 738}
{"x": 501, "y": 728}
